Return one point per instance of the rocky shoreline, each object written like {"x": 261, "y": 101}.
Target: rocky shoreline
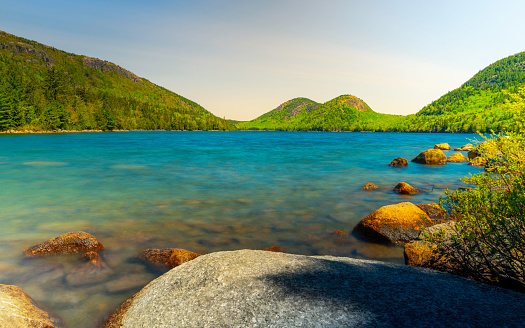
{"x": 274, "y": 289}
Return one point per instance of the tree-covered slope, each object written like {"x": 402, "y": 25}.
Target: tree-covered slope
{"x": 344, "y": 113}
{"x": 42, "y": 88}
{"x": 483, "y": 103}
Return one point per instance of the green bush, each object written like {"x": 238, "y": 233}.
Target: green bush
{"x": 489, "y": 241}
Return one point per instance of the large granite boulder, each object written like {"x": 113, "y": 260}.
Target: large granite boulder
{"x": 431, "y": 156}
{"x": 69, "y": 243}
{"x": 163, "y": 259}
{"x": 18, "y": 309}
{"x": 398, "y": 223}
{"x": 249, "y": 288}
{"x": 442, "y": 146}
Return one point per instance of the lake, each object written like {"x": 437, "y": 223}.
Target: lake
{"x": 201, "y": 191}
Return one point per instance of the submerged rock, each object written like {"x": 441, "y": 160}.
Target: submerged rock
{"x": 275, "y": 249}
{"x": 397, "y": 224}
{"x": 457, "y": 158}
{"x": 406, "y": 189}
{"x": 92, "y": 272}
{"x": 370, "y": 186}
{"x": 18, "y": 309}
{"x": 442, "y": 146}
{"x": 250, "y": 288}
{"x": 431, "y": 156}
{"x": 166, "y": 258}
{"x": 399, "y": 162}
{"x": 69, "y": 243}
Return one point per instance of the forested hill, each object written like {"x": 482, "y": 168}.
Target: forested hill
{"x": 490, "y": 100}
{"x": 344, "y": 113}
{"x": 42, "y": 88}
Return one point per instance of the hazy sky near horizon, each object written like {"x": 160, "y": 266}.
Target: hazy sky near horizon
{"x": 242, "y": 58}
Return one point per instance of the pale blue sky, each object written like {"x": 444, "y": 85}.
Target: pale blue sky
{"x": 240, "y": 58}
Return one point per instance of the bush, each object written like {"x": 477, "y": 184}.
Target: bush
{"x": 489, "y": 240}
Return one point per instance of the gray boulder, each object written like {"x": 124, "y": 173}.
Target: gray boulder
{"x": 250, "y": 288}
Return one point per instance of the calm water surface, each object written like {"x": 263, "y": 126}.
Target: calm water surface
{"x": 201, "y": 191}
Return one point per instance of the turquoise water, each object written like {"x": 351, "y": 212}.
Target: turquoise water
{"x": 201, "y": 191}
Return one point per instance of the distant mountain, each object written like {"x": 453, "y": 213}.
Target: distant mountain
{"x": 42, "y": 88}
{"x": 480, "y": 104}
{"x": 344, "y": 113}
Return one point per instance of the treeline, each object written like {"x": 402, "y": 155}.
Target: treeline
{"x": 42, "y": 88}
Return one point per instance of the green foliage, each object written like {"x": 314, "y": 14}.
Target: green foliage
{"x": 489, "y": 241}
{"x": 42, "y": 88}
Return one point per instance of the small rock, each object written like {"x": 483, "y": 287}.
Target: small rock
{"x": 18, "y": 309}
{"x": 166, "y": 258}
{"x": 467, "y": 147}
{"x": 442, "y": 146}
{"x": 70, "y": 243}
{"x": 398, "y": 223}
{"x": 92, "y": 272}
{"x": 457, "y": 158}
{"x": 431, "y": 156}
{"x": 399, "y": 162}
{"x": 275, "y": 249}
{"x": 128, "y": 282}
{"x": 404, "y": 188}
{"x": 370, "y": 186}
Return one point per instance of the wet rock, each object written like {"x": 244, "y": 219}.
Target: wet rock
{"x": 442, "y": 146}
{"x": 397, "y": 224}
{"x": 93, "y": 272}
{"x": 18, "y": 309}
{"x": 404, "y": 188}
{"x": 249, "y": 288}
{"x": 370, "y": 186}
{"x": 431, "y": 156}
{"x": 429, "y": 255}
{"x": 433, "y": 210}
{"x": 399, "y": 162}
{"x": 275, "y": 249}
{"x": 457, "y": 158}
{"x": 467, "y": 147}
{"x": 70, "y": 243}
{"x": 166, "y": 258}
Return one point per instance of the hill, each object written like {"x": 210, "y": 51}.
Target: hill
{"x": 344, "y": 113}
{"x": 42, "y": 88}
{"x": 490, "y": 100}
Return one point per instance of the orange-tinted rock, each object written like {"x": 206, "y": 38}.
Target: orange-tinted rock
{"x": 339, "y": 233}
{"x": 431, "y": 156}
{"x": 275, "y": 249}
{"x": 477, "y": 161}
{"x": 457, "y": 158}
{"x": 429, "y": 255}
{"x": 167, "y": 258}
{"x": 92, "y": 272}
{"x": 398, "y": 223}
{"x": 70, "y": 243}
{"x": 406, "y": 189}
{"x": 370, "y": 186}
{"x": 399, "y": 162}
{"x": 433, "y": 210}
{"x": 467, "y": 147}
{"x": 442, "y": 146}
{"x": 18, "y": 309}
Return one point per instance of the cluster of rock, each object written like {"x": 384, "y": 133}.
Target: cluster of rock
{"x": 436, "y": 156}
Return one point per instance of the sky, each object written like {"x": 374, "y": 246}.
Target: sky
{"x": 242, "y": 58}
